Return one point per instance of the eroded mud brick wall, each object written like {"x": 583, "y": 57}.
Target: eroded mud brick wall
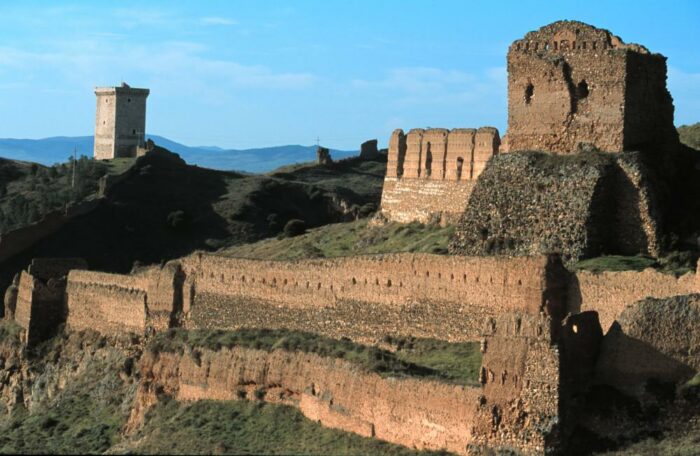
{"x": 363, "y": 298}
{"x": 39, "y": 308}
{"x": 571, "y": 83}
{"x": 609, "y": 293}
{"x": 109, "y": 303}
{"x": 411, "y": 412}
{"x": 431, "y": 173}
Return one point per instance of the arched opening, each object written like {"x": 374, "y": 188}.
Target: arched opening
{"x": 428, "y": 161}
{"x": 582, "y": 90}
{"x": 460, "y": 164}
{"x": 529, "y": 92}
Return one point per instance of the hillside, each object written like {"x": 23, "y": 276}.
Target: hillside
{"x": 48, "y": 151}
{"x": 165, "y": 208}
{"x": 690, "y": 135}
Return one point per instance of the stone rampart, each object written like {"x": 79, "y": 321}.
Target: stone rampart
{"x": 39, "y": 308}
{"x": 609, "y": 293}
{"x": 416, "y": 413}
{"x": 108, "y": 303}
{"x": 430, "y": 173}
{"x": 364, "y": 298}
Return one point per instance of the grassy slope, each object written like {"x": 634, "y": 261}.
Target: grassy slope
{"x": 352, "y": 238}
{"x": 452, "y": 362}
{"x": 690, "y": 135}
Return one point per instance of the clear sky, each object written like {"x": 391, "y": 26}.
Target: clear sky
{"x": 241, "y": 74}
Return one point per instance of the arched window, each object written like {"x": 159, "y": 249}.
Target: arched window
{"x": 460, "y": 164}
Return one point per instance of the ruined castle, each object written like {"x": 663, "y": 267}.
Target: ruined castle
{"x": 571, "y": 86}
{"x": 540, "y": 326}
{"x": 120, "y": 121}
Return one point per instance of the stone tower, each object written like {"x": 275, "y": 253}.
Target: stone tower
{"x": 120, "y": 122}
{"x": 572, "y": 83}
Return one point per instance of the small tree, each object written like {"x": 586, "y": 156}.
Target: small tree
{"x": 294, "y": 227}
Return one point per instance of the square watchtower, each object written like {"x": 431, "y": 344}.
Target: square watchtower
{"x": 120, "y": 121}
{"x": 572, "y": 83}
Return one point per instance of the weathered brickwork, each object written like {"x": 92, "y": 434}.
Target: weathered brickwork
{"x": 120, "y": 121}
{"x": 39, "y": 307}
{"x": 571, "y": 83}
{"x": 430, "y": 173}
{"x": 608, "y": 293}
{"x": 417, "y": 413}
{"x": 108, "y": 303}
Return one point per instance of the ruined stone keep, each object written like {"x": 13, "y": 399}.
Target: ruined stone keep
{"x": 430, "y": 173}
{"x": 120, "y": 121}
{"x": 571, "y": 83}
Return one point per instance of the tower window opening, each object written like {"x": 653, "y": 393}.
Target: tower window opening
{"x": 529, "y": 91}
{"x": 582, "y": 90}
{"x": 460, "y": 164}
{"x": 428, "y": 161}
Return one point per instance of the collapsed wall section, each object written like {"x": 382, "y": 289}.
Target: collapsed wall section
{"x": 584, "y": 205}
{"x": 109, "y": 303}
{"x": 39, "y": 307}
{"x": 431, "y": 173}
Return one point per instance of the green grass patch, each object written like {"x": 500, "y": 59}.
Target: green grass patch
{"x": 457, "y": 361}
{"x": 241, "y": 427}
{"x": 426, "y": 359}
{"x": 676, "y": 263}
{"x": 616, "y": 263}
{"x": 351, "y": 238}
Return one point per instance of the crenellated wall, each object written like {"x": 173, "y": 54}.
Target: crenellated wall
{"x": 430, "y": 173}
{"x": 364, "y": 298}
{"x": 108, "y": 303}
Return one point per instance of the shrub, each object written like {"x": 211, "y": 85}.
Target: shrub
{"x": 294, "y": 227}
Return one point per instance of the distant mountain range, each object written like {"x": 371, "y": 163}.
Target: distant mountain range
{"x": 57, "y": 150}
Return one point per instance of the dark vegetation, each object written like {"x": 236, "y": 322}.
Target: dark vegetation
{"x": 351, "y": 238}
{"x": 690, "y": 135}
{"x": 29, "y": 191}
{"x": 676, "y": 263}
{"x": 458, "y": 362}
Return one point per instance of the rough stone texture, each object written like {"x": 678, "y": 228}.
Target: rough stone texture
{"x": 416, "y": 413}
{"x": 581, "y": 206}
{"x": 431, "y": 173}
{"x": 368, "y": 149}
{"x": 609, "y": 293}
{"x": 120, "y": 121}
{"x": 39, "y": 308}
{"x": 109, "y": 303}
{"x": 572, "y": 83}
{"x": 323, "y": 156}
{"x": 657, "y": 339}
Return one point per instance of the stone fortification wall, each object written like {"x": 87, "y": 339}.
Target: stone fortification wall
{"x": 586, "y": 205}
{"x": 430, "y": 173}
{"x": 364, "y": 298}
{"x": 571, "y": 83}
{"x": 609, "y": 293}
{"x": 109, "y": 303}
{"x": 39, "y": 307}
{"x": 416, "y": 413}
{"x": 657, "y": 339}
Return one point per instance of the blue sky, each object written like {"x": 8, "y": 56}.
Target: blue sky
{"x": 241, "y": 74}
